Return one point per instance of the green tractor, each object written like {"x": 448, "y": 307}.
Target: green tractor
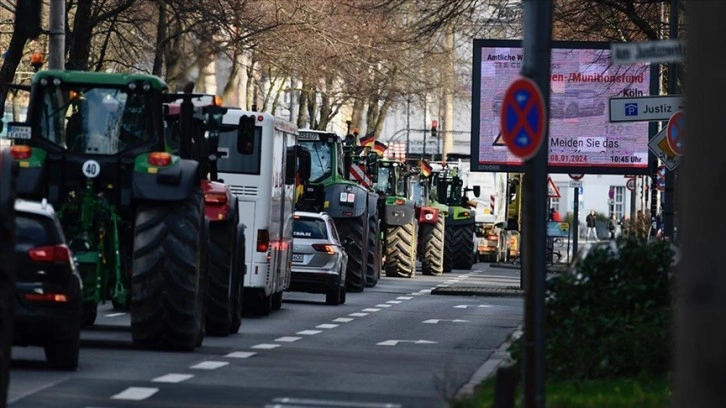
{"x": 352, "y": 206}
{"x": 459, "y": 238}
{"x": 93, "y": 144}
{"x": 399, "y": 222}
{"x": 431, "y": 216}
{"x": 7, "y": 267}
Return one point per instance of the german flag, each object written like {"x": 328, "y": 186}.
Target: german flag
{"x": 368, "y": 140}
{"x": 426, "y": 169}
{"x": 380, "y": 147}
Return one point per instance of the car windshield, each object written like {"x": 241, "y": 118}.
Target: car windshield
{"x": 311, "y": 228}
{"x": 94, "y": 120}
{"x": 320, "y": 160}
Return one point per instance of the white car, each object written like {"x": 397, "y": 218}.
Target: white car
{"x": 318, "y": 257}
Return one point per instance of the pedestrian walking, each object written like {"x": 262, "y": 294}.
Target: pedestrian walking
{"x": 612, "y": 225}
{"x": 590, "y": 222}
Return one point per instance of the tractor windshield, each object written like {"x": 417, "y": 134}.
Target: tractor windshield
{"x": 321, "y": 159}
{"x": 94, "y": 120}
{"x": 390, "y": 181}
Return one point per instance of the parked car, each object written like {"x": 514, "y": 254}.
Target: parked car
{"x": 319, "y": 259}
{"x": 48, "y": 287}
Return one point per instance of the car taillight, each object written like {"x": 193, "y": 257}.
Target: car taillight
{"x": 20, "y": 152}
{"x": 399, "y": 201}
{"x": 324, "y": 248}
{"x": 263, "y": 240}
{"x": 160, "y": 159}
{"x": 54, "y": 253}
{"x": 46, "y": 297}
{"x": 215, "y": 198}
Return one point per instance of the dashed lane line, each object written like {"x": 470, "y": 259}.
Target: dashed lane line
{"x": 264, "y": 346}
{"x": 172, "y": 378}
{"x": 135, "y": 393}
{"x": 383, "y": 305}
{"x": 287, "y": 339}
{"x": 327, "y": 326}
{"x": 371, "y": 309}
{"x": 209, "y": 365}
{"x": 343, "y": 320}
{"x": 241, "y": 354}
{"x": 309, "y": 332}
{"x": 404, "y": 298}
{"x": 394, "y": 302}
{"x": 358, "y": 314}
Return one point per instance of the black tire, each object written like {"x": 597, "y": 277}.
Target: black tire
{"x": 332, "y": 297}
{"x": 89, "y": 311}
{"x": 342, "y": 294}
{"x": 256, "y": 303}
{"x": 237, "y": 282}
{"x": 375, "y": 249}
{"x": 277, "y": 300}
{"x": 458, "y": 247}
{"x": 355, "y": 229}
{"x": 167, "y": 286}
{"x": 401, "y": 251}
{"x": 432, "y": 245}
{"x": 64, "y": 355}
{"x": 222, "y": 242}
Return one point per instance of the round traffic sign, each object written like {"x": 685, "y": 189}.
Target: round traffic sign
{"x": 576, "y": 176}
{"x": 675, "y": 131}
{"x": 523, "y": 118}
{"x": 630, "y": 184}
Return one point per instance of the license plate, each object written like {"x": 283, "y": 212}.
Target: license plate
{"x": 297, "y": 257}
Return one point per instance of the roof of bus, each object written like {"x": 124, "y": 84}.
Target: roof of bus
{"x": 233, "y": 114}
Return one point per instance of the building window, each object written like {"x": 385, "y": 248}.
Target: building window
{"x": 555, "y": 203}
{"x": 618, "y": 205}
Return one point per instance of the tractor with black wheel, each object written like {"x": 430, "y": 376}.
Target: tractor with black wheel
{"x": 353, "y": 207}
{"x": 398, "y": 221}
{"x": 93, "y": 145}
{"x": 431, "y": 217}
{"x": 7, "y": 267}
{"x": 194, "y": 120}
{"x": 459, "y": 236}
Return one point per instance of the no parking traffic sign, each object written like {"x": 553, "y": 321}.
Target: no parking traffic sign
{"x": 523, "y": 118}
{"x": 676, "y": 130}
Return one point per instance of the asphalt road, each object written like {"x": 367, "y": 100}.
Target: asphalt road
{"x": 395, "y": 345}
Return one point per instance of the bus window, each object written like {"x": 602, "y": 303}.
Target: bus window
{"x": 238, "y": 163}
{"x": 246, "y": 135}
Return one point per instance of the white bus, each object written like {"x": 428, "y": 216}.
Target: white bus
{"x": 253, "y": 160}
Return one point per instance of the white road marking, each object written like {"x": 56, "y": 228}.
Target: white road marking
{"x": 370, "y": 309}
{"x": 383, "y": 305}
{"x": 115, "y": 314}
{"x": 172, "y": 378}
{"x": 404, "y": 298}
{"x": 265, "y": 346}
{"x": 395, "y": 302}
{"x": 135, "y": 393}
{"x": 451, "y": 281}
{"x": 424, "y": 291}
{"x": 287, "y": 339}
{"x": 327, "y": 326}
{"x": 209, "y": 365}
{"x": 463, "y": 276}
{"x": 309, "y": 332}
{"x": 343, "y": 319}
{"x": 282, "y": 402}
{"x": 241, "y": 354}
{"x": 358, "y": 314}
{"x": 395, "y": 342}
{"x": 443, "y": 286}
{"x": 434, "y": 321}
{"x": 466, "y": 306}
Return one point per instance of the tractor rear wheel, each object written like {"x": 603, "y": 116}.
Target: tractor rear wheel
{"x": 432, "y": 259}
{"x": 222, "y": 242}
{"x": 236, "y": 283}
{"x": 167, "y": 286}
{"x": 7, "y": 270}
{"x": 355, "y": 229}
{"x": 401, "y": 251}
{"x": 375, "y": 249}
{"x": 458, "y": 247}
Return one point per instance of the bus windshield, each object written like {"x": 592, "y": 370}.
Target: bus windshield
{"x": 321, "y": 162}
{"x": 95, "y": 120}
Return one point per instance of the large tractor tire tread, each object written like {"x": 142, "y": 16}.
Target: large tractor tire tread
{"x": 355, "y": 229}
{"x": 459, "y": 247}
{"x": 401, "y": 251}
{"x": 167, "y": 300}
{"x": 222, "y": 237}
{"x": 375, "y": 249}
{"x": 432, "y": 258}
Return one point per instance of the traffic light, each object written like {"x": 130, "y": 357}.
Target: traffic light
{"x": 434, "y": 128}
{"x": 27, "y": 17}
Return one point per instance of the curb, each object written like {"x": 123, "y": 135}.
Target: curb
{"x": 499, "y": 357}
{"x": 490, "y": 291}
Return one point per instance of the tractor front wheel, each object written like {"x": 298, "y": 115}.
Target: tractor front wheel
{"x": 355, "y": 229}
{"x": 432, "y": 237}
{"x": 401, "y": 251}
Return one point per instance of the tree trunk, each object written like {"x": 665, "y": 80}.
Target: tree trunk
{"x": 10, "y": 64}
{"x": 80, "y": 47}
{"x": 302, "y": 112}
{"x": 161, "y": 39}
